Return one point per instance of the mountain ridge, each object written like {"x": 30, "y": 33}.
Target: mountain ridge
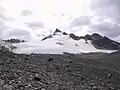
{"x": 99, "y": 42}
{"x": 61, "y": 42}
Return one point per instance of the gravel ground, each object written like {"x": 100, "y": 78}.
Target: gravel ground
{"x": 93, "y": 71}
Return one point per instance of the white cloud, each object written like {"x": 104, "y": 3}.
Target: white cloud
{"x": 45, "y": 10}
{"x": 81, "y": 21}
{"x": 20, "y": 34}
{"x": 36, "y": 13}
{"x": 77, "y": 16}
{"x": 26, "y": 13}
{"x": 35, "y": 25}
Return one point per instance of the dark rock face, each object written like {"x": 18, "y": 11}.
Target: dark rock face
{"x": 50, "y": 36}
{"x": 56, "y": 31}
{"x": 59, "y": 43}
{"x": 96, "y": 36}
{"x": 106, "y": 43}
{"x": 14, "y": 41}
{"x": 64, "y": 33}
{"x": 76, "y": 45}
{"x": 73, "y": 36}
{"x": 101, "y": 42}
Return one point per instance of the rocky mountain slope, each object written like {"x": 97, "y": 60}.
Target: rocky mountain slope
{"x": 93, "y": 71}
{"x": 6, "y": 46}
{"x": 103, "y": 42}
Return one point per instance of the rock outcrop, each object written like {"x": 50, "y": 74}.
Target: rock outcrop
{"x": 14, "y": 41}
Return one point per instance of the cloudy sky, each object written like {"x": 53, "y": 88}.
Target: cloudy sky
{"x": 30, "y": 19}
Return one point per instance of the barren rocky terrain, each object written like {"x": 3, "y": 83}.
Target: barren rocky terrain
{"x": 93, "y": 71}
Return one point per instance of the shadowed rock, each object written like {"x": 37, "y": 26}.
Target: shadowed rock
{"x": 50, "y": 36}
{"x": 14, "y": 41}
{"x": 73, "y": 36}
{"x": 57, "y": 31}
{"x": 64, "y": 33}
{"x": 37, "y": 78}
{"x": 50, "y": 59}
{"x": 102, "y": 42}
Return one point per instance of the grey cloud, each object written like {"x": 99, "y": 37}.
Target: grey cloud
{"x": 104, "y": 10}
{"x": 83, "y": 20}
{"x": 26, "y": 13}
{"x": 108, "y": 8}
{"x": 17, "y": 33}
{"x": 2, "y": 15}
{"x": 35, "y": 25}
{"x": 5, "y": 31}
{"x": 2, "y": 25}
{"x": 3, "y": 28}
{"x": 108, "y": 29}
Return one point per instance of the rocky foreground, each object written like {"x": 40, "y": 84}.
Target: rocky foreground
{"x": 95, "y": 71}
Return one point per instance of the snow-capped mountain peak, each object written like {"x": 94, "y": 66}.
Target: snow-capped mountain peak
{"x": 60, "y": 42}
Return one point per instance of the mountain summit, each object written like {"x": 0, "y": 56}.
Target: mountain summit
{"x": 57, "y": 31}
{"x": 61, "y": 42}
{"x": 98, "y": 41}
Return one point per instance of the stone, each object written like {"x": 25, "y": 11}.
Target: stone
{"x": 37, "y": 78}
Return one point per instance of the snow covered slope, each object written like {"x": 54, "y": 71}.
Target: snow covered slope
{"x": 58, "y": 44}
